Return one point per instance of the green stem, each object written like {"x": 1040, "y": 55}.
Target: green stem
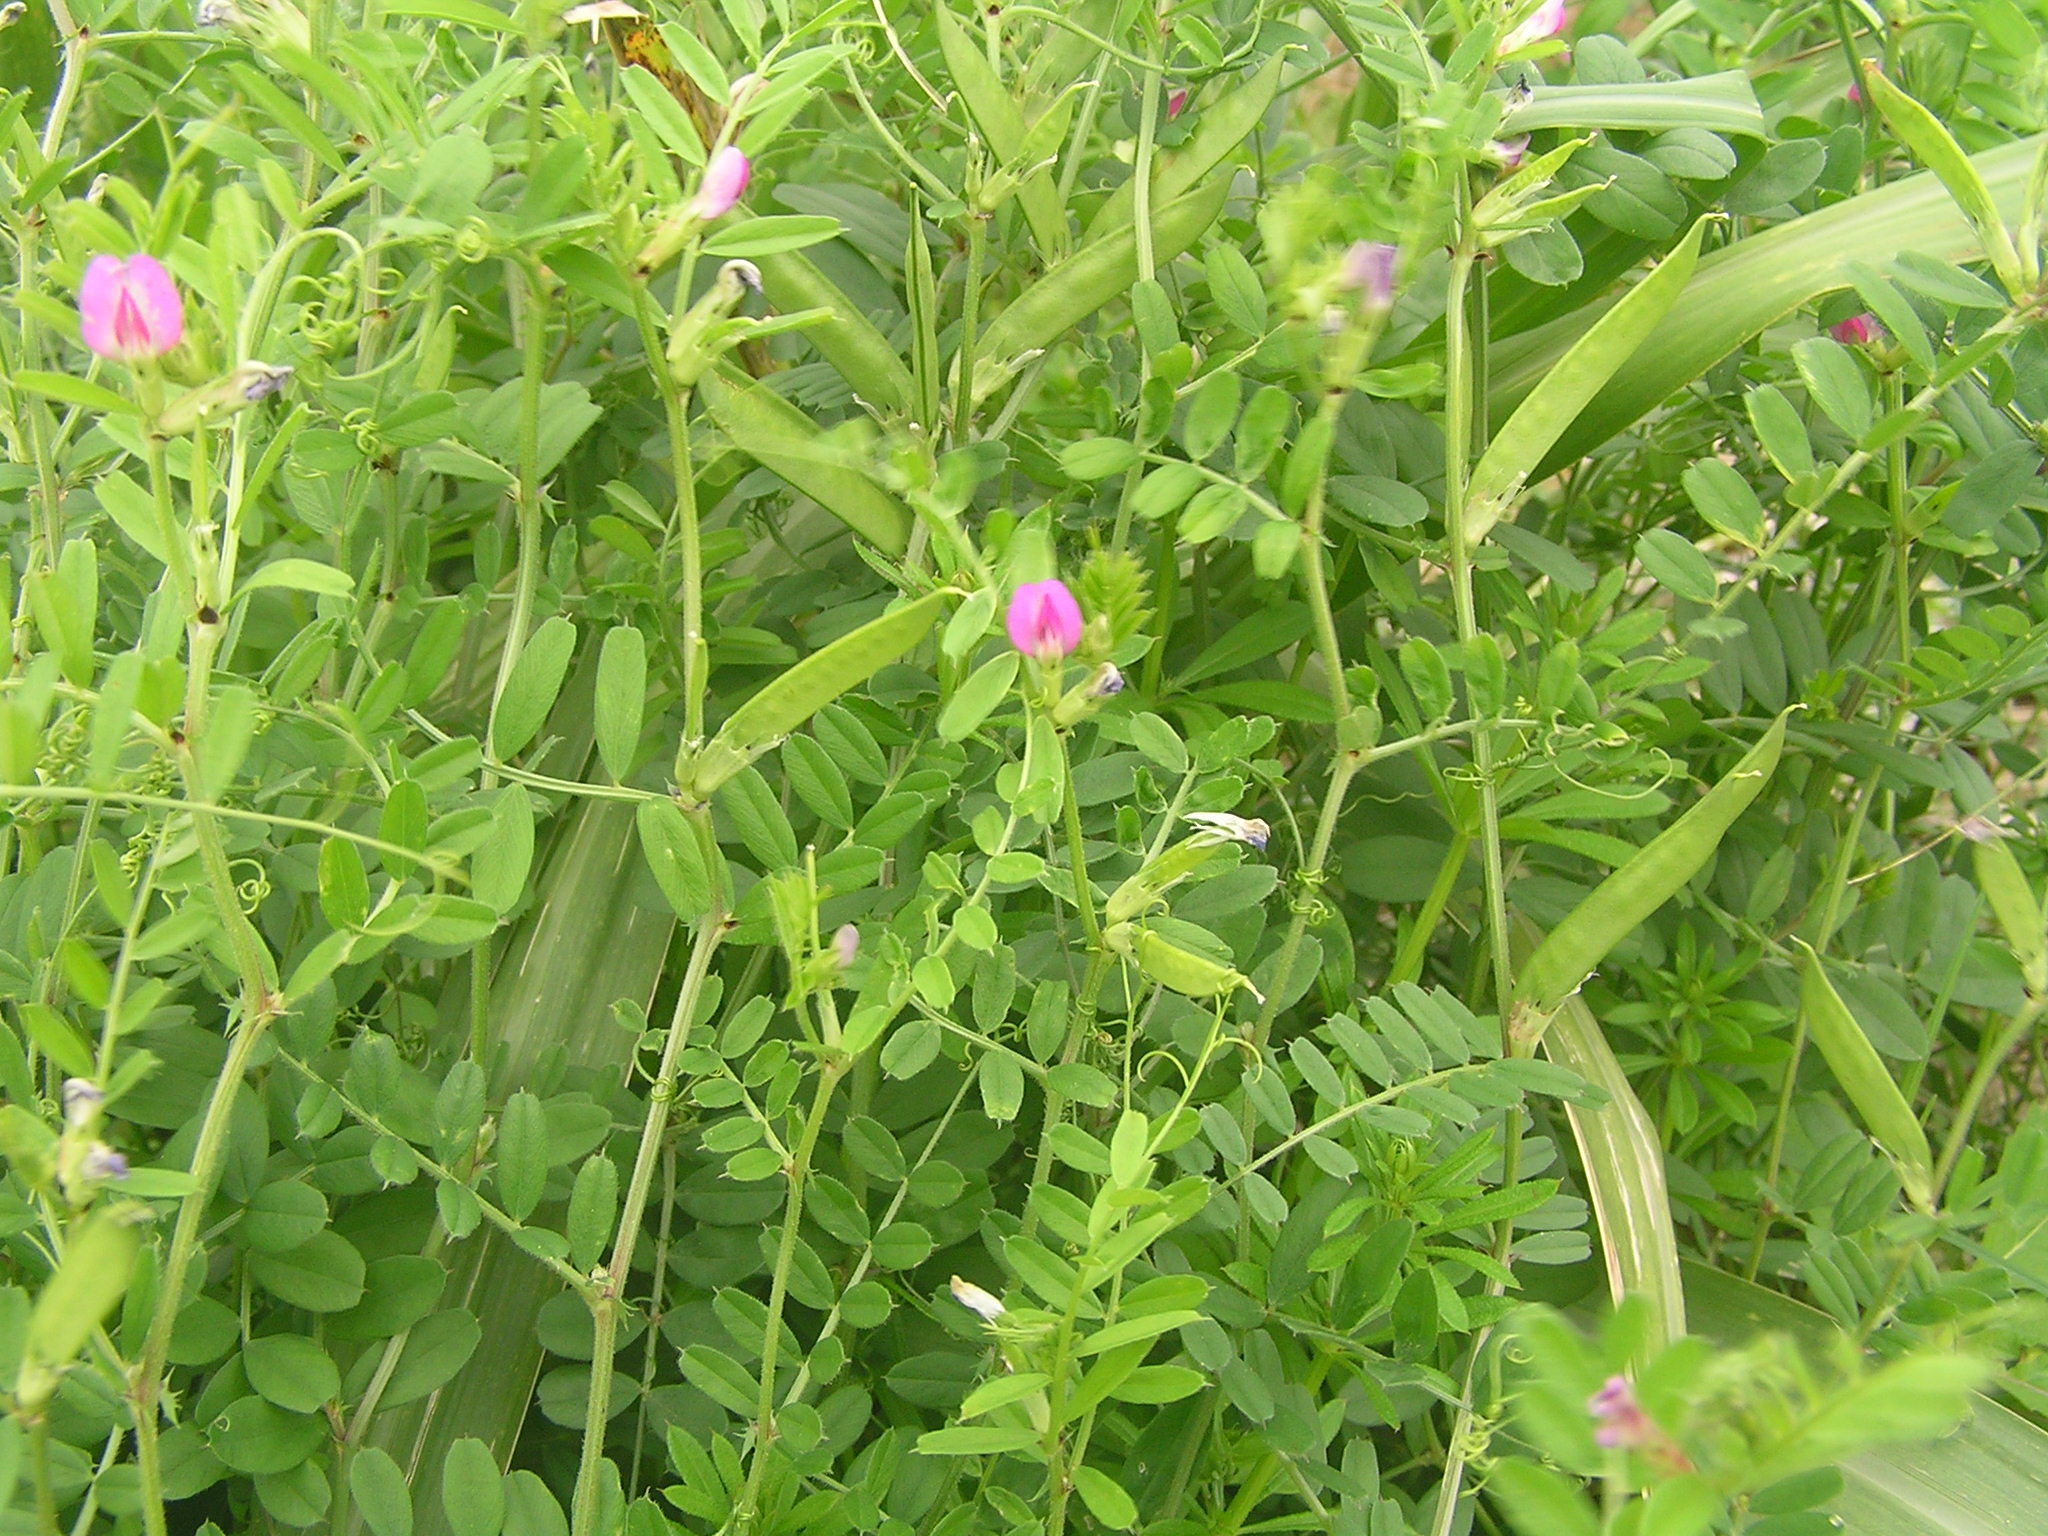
{"x": 970, "y": 325}
{"x": 1311, "y": 875}
{"x": 1078, "y": 1029}
{"x": 1084, "y": 891}
{"x": 205, "y": 1170}
{"x": 1989, "y": 1061}
{"x": 830, "y": 1069}
{"x": 605, "y": 1302}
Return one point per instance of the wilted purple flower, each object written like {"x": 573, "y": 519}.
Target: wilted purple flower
{"x": 1222, "y": 827}
{"x": 1857, "y": 331}
{"x": 725, "y": 179}
{"x": 600, "y": 12}
{"x": 976, "y": 1300}
{"x": 1618, "y": 1419}
{"x": 1508, "y": 153}
{"x": 130, "y": 310}
{"x": 845, "y": 945}
{"x": 1547, "y": 20}
{"x": 1369, "y": 269}
{"x": 82, "y": 1100}
{"x": 1044, "y": 621}
{"x": 1107, "y": 682}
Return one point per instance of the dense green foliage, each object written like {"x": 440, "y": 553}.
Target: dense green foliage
{"x": 574, "y": 959}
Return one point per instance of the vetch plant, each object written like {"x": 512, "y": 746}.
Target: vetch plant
{"x": 844, "y": 771}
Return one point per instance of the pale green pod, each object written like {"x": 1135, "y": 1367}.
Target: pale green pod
{"x": 1864, "y": 1078}
{"x": 769, "y": 429}
{"x": 848, "y": 340}
{"x": 785, "y": 704}
{"x": 1565, "y": 958}
{"x": 2017, "y": 909}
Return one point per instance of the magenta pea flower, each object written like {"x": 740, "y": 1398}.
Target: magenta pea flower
{"x": 1547, "y": 20}
{"x": 1175, "y": 103}
{"x": 725, "y": 180}
{"x": 1857, "y": 331}
{"x": 1044, "y": 621}
{"x": 130, "y": 311}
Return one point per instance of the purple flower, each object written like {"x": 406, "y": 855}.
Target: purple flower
{"x": 129, "y": 310}
{"x": 1857, "y": 331}
{"x": 1508, "y": 153}
{"x": 1547, "y": 20}
{"x": 102, "y": 1164}
{"x": 1369, "y": 269}
{"x": 1044, "y": 621}
{"x": 1175, "y": 102}
{"x": 1107, "y": 682}
{"x": 724, "y": 180}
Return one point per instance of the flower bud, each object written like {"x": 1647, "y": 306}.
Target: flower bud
{"x": 236, "y": 391}
{"x": 722, "y": 184}
{"x": 846, "y": 945}
{"x": 129, "y": 311}
{"x": 1044, "y": 621}
{"x": 1857, "y": 331}
{"x": 1547, "y": 20}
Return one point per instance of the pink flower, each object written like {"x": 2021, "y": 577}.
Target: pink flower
{"x": 725, "y": 178}
{"x": 1619, "y": 1420}
{"x": 1508, "y": 153}
{"x": 1044, "y": 621}
{"x": 130, "y": 310}
{"x": 1547, "y": 20}
{"x": 1857, "y": 331}
{"x": 1175, "y": 102}
{"x": 1855, "y": 94}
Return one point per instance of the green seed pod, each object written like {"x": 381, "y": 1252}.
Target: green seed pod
{"x": 1176, "y": 969}
{"x": 2017, "y": 909}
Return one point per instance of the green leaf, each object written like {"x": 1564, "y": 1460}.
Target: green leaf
{"x": 1539, "y": 1501}
{"x": 621, "y": 698}
{"x": 1677, "y": 565}
{"x": 670, "y": 845}
{"x": 985, "y": 688}
{"x": 975, "y": 1440}
{"x": 380, "y": 1492}
{"x": 98, "y": 1260}
{"x": 1541, "y": 419}
{"x": 344, "y": 888}
{"x": 322, "y": 1274}
{"x": 1105, "y": 1498}
{"x": 531, "y": 689}
{"x": 472, "y": 1490}
{"x": 772, "y": 235}
{"x": 1726, "y": 501}
{"x": 292, "y": 1371}
{"x": 593, "y": 1207}
{"x": 62, "y": 386}
{"x": 1236, "y": 288}
{"x": 522, "y": 1153}
{"x": 1837, "y": 383}
{"x": 301, "y": 576}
